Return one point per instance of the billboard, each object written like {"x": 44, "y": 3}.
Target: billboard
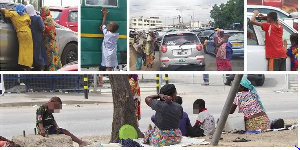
{"x": 289, "y": 6}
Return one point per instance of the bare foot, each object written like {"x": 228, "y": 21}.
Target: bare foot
{"x": 83, "y": 143}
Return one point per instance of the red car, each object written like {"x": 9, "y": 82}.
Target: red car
{"x": 66, "y": 16}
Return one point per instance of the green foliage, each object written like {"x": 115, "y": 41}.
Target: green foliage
{"x": 226, "y": 14}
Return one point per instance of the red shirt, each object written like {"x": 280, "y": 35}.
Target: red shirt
{"x": 274, "y": 42}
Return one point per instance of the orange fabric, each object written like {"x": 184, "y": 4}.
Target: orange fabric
{"x": 271, "y": 64}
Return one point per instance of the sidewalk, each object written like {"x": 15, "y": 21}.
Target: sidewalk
{"x": 31, "y": 99}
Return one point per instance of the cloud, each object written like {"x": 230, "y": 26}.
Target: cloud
{"x": 169, "y": 9}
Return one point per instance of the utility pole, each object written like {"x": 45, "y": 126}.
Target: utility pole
{"x": 226, "y": 109}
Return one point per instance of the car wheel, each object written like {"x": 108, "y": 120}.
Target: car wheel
{"x": 261, "y": 81}
{"x": 226, "y": 81}
{"x": 70, "y": 54}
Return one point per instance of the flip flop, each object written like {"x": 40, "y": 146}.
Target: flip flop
{"x": 238, "y": 139}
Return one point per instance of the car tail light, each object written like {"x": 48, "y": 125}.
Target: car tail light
{"x": 165, "y": 60}
{"x": 199, "y": 46}
{"x": 164, "y": 48}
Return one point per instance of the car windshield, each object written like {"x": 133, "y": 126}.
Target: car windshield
{"x": 56, "y": 14}
{"x": 180, "y": 39}
{"x": 236, "y": 36}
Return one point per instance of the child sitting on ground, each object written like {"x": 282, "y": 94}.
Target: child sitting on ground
{"x": 205, "y": 120}
{"x": 292, "y": 52}
{"x": 45, "y": 121}
{"x": 109, "y": 45}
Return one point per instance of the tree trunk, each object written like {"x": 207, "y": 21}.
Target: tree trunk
{"x": 124, "y": 107}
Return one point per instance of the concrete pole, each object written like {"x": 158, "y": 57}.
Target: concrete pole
{"x": 226, "y": 109}
{"x": 85, "y": 86}
{"x": 95, "y": 83}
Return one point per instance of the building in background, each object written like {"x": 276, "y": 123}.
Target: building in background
{"x": 141, "y": 23}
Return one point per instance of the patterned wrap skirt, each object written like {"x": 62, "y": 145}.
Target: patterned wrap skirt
{"x": 258, "y": 123}
{"x": 159, "y": 138}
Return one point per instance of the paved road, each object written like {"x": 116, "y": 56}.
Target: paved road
{"x": 97, "y": 119}
{"x": 210, "y": 63}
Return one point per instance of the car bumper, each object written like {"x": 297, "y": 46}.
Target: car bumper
{"x": 238, "y": 52}
{"x": 166, "y": 62}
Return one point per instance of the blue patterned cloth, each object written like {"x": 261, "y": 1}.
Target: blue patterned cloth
{"x": 20, "y": 9}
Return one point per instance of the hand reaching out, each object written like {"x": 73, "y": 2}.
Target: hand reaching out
{"x": 104, "y": 11}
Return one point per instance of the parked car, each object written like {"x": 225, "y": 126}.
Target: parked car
{"x": 286, "y": 17}
{"x": 256, "y": 45}
{"x": 259, "y": 79}
{"x": 181, "y": 49}
{"x": 66, "y": 40}
{"x": 66, "y": 16}
{"x": 236, "y": 38}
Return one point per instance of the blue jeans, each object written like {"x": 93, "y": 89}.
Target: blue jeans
{"x": 206, "y": 78}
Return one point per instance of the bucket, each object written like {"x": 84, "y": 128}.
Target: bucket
{"x": 235, "y": 122}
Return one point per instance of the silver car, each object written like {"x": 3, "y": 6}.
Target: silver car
{"x": 66, "y": 39}
{"x": 181, "y": 50}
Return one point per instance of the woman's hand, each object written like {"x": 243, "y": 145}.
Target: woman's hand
{"x": 166, "y": 98}
{"x": 104, "y": 11}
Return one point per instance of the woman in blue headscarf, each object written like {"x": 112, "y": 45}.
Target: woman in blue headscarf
{"x": 22, "y": 22}
{"x": 249, "y": 103}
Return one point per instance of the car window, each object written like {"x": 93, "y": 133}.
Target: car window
{"x": 251, "y": 36}
{"x": 107, "y": 3}
{"x": 206, "y": 33}
{"x": 236, "y": 36}
{"x": 286, "y": 33}
{"x": 55, "y": 14}
{"x": 178, "y": 39}
{"x": 73, "y": 16}
{"x": 266, "y": 11}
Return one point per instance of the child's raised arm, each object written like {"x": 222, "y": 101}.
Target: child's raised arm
{"x": 253, "y": 18}
{"x": 104, "y": 12}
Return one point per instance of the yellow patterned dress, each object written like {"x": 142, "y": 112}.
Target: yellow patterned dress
{"x": 49, "y": 40}
{"x": 21, "y": 24}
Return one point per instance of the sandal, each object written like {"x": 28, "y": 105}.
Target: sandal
{"x": 238, "y": 139}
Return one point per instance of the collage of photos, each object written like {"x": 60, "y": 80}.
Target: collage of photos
{"x": 158, "y": 73}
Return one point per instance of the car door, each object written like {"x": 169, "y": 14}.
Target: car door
{"x": 73, "y": 20}
{"x": 8, "y": 45}
{"x": 210, "y": 44}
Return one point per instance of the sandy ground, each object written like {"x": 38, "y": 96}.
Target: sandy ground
{"x": 267, "y": 139}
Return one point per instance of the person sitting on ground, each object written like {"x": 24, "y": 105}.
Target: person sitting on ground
{"x": 249, "y": 103}
{"x": 184, "y": 122}
{"x": 109, "y": 44}
{"x": 292, "y": 52}
{"x": 275, "y": 53}
{"x": 205, "y": 120}
{"x": 167, "y": 118}
{"x": 46, "y": 123}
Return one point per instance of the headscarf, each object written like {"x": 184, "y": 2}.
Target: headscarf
{"x": 20, "y": 9}
{"x": 247, "y": 84}
{"x": 30, "y": 10}
{"x": 168, "y": 89}
{"x": 219, "y": 32}
{"x": 45, "y": 12}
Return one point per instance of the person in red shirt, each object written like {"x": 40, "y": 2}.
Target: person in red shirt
{"x": 275, "y": 52}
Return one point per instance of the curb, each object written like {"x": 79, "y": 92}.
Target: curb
{"x": 41, "y": 103}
